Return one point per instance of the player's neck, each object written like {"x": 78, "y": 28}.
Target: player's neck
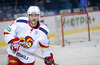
{"x": 35, "y": 25}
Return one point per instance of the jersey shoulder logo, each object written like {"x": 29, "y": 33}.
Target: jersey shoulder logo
{"x": 8, "y": 29}
{"x": 26, "y": 42}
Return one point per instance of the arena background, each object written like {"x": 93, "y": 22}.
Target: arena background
{"x": 73, "y": 15}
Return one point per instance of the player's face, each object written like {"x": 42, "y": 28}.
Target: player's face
{"x": 33, "y": 18}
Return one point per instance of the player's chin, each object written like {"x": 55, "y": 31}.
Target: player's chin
{"x": 34, "y": 22}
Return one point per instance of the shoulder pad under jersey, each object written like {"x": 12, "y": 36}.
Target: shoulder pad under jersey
{"x": 44, "y": 29}
{"x": 22, "y": 19}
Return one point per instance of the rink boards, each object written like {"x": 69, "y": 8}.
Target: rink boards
{"x": 53, "y": 22}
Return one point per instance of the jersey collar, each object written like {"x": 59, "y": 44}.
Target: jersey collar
{"x": 36, "y": 27}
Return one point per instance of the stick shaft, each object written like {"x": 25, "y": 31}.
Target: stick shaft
{"x": 34, "y": 55}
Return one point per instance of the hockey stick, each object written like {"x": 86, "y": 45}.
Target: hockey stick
{"x": 37, "y": 56}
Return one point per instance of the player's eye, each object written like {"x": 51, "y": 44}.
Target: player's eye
{"x": 36, "y": 15}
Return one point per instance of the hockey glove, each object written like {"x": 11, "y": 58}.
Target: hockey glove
{"x": 15, "y": 44}
{"x": 49, "y": 60}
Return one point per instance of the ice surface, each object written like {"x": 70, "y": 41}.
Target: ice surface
{"x": 84, "y": 53}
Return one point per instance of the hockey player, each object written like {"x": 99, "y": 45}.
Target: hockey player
{"x": 27, "y": 33}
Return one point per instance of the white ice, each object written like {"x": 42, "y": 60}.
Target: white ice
{"x": 84, "y": 53}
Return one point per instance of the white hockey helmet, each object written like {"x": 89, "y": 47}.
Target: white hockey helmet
{"x": 33, "y": 10}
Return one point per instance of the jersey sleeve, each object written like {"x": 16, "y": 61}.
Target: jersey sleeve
{"x": 44, "y": 42}
{"x": 10, "y": 32}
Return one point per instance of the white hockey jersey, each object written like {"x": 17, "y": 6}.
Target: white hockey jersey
{"x": 30, "y": 39}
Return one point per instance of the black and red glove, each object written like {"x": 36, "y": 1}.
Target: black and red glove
{"x": 49, "y": 60}
{"x": 15, "y": 44}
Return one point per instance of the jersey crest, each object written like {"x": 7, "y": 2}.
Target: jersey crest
{"x": 26, "y": 42}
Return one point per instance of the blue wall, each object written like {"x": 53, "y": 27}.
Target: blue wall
{"x": 82, "y": 3}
